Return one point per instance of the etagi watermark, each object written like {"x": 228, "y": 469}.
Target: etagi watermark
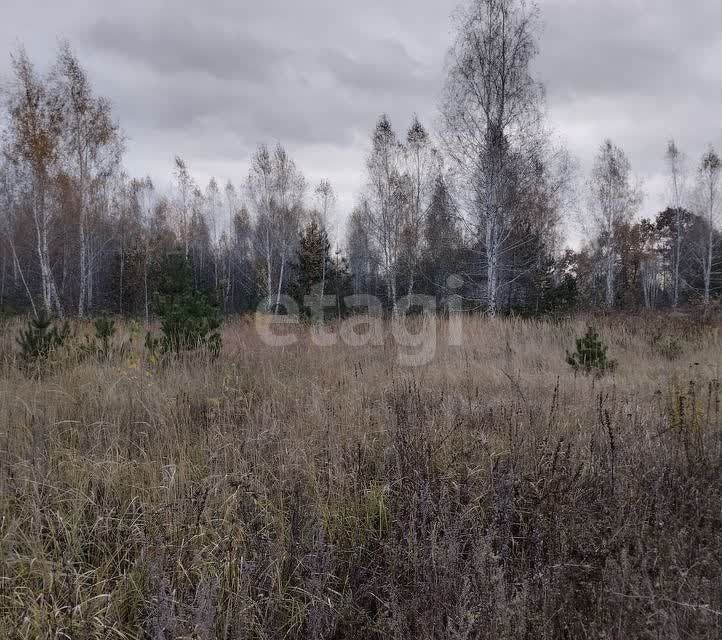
{"x": 414, "y": 327}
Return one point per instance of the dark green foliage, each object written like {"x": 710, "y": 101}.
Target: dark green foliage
{"x": 313, "y": 258}
{"x": 104, "y": 332}
{"x": 7, "y": 312}
{"x": 40, "y": 338}
{"x": 317, "y": 273}
{"x": 591, "y": 354}
{"x": 562, "y": 297}
{"x": 189, "y": 317}
{"x": 557, "y": 286}
{"x": 100, "y": 343}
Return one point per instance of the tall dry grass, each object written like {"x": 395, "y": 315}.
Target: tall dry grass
{"x": 328, "y": 492}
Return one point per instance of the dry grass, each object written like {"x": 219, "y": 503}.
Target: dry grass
{"x": 311, "y": 492}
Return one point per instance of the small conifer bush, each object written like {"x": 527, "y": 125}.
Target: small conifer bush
{"x": 591, "y": 354}
{"x": 40, "y": 338}
{"x": 189, "y": 317}
{"x": 104, "y": 332}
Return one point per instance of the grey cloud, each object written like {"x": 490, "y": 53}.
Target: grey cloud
{"x": 639, "y": 72}
{"x": 178, "y": 45}
{"x": 623, "y": 53}
{"x": 212, "y": 80}
{"x": 386, "y": 66}
{"x": 191, "y": 76}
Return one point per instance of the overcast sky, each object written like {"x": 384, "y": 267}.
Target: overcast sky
{"x": 211, "y": 80}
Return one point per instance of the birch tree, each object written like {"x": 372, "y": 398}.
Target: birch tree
{"x": 213, "y": 208}
{"x": 708, "y": 194}
{"x": 650, "y": 266}
{"x": 422, "y": 168}
{"x": 385, "y": 201}
{"x": 8, "y": 223}
{"x": 146, "y": 200}
{"x": 290, "y": 187}
{"x": 231, "y": 210}
{"x": 34, "y": 139}
{"x": 491, "y": 113}
{"x": 676, "y": 166}
{"x": 185, "y": 187}
{"x": 325, "y": 199}
{"x": 613, "y": 201}
{"x": 275, "y": 189}
{"x": 91, "y": 150}
{"x": 259, "y": 187}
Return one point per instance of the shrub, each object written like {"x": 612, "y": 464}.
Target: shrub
{"x": 591, "y": 354}
{"x": 40, "y": 338}
{"x": 189, "y": 317}
{"x": 104, "y": 332}
{"x": 100, "y": 345}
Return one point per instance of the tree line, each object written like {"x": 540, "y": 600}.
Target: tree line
{"x": 478, "y": 209}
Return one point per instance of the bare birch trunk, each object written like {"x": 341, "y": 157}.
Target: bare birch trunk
{"x": 677, "y": 255}
{"x": 609, "y": 297}
{"x": 269, "y": 273}
{"x": 145, "y": 289}
{"x": 51, "y": 299}
{"x": 708, "y": 265}
{"x": 83, "y": 265}
{"x": 280, "y": 280}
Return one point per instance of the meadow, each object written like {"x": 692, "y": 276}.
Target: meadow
{"x": 332, "y": 492}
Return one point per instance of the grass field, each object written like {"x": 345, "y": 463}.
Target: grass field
{"x": 330, "y": 492}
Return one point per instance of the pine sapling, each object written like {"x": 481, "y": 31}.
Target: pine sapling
{"x": 590, "y": 355}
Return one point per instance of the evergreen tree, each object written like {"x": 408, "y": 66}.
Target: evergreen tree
{"x": 317, "y": 274}
{"x": 104, "y": 332}
{"x": 40, "y": 338}
{"x": 189, "y": 316}
{"x": 442, "y": 255}
{"x": 313, "y": 259}
{"x": 556, "y": 286}
{"x": 591, "y": 354}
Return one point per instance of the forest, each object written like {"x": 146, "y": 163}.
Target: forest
{"x": 489, "y": 198}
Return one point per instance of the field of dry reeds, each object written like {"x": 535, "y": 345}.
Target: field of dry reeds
{"x": 331, "y": 492}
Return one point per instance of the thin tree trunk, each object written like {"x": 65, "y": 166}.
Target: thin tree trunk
{"x": 323, "y": 273}
{"x": 678, "y": 248}
{"x": 492, "y": 253}
{"x": 708, "y": 265}
{"x": 145, "y": 289}
{"x": 609, "y": 298}
{"x": 15, "y": 273}
{"x": 269, "y": 281}
{"x": 18, "y": 269}
{"x": 391, "y": 289}
{"x": 493, "y": 215}
{"x": 491, "y": 285}
{"x": 83, "y": 299}
{"x": 280, "y": 280}
{"x": 2, "y": 286}
{"x": 64, "y": 278}
{"x": 51, "y": 299}
{"x": 269, "y": 267}
{"x": 120, "y": 278}
{"x": 83, "y": 267}
{"x": 90, "y": 279}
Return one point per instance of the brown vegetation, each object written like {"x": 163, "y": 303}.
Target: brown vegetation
{"x": 311, "y": 492}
